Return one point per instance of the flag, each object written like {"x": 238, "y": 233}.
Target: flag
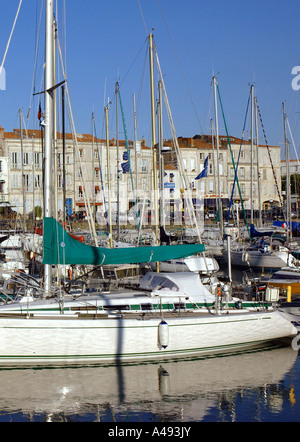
{"x": 40, "y": 112}
{"x": 125, "y": 167}
{"x": 125, "y": 156}
{"x": 203, "y": 173}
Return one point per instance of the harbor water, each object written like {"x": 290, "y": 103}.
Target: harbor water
{"x": 257, "y": 386}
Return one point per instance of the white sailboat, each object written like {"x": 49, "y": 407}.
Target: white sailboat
{"x": 31, "y": 335}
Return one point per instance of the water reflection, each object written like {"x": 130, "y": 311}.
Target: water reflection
{"x": 207, "y": 389}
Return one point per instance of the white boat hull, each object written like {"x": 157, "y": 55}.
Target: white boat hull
{"x": 70, "y": 340}
{"x": 256, "y": 259}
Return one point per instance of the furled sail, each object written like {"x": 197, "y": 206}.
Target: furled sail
{"x": 61, "y": 248}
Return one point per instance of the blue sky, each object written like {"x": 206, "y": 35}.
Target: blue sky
{"x": 242, "y": 42}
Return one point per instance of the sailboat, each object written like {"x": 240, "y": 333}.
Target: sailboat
{"x": 89, "y": 333}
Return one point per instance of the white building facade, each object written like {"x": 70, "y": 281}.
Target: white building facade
{"x": 82, "y": 173}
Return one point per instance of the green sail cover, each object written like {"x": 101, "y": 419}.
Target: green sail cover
{"x": 61, "y": 248}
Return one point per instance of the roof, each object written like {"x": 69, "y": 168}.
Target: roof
{"x": 82, "y": 138}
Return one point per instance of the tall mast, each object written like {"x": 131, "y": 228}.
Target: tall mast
{"x": 135, "y": 143}
{"x": 288, "y": 180}
{"x": 118, "y": 160}
{"x": 22, "y": 165}
{"x": 220, "y": 209}
{"x": 48, "y": 125}
{"x": 64, "y": 151}
{"x": 93, "y": 167}
{"x": 54, "y": 30}
{"x": 251, "y": 172}
{"x": 161, "y": 159}
{"x": 153, "y": 136}
{"x": 258, "y": 168}
{"x": 108, "y": 178}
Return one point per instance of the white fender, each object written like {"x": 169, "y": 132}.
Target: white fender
{"x": 163, "y": 334}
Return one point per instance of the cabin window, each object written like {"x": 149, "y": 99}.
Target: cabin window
{"x": 179, "y": 306}
{"x": 147, "y": 306}
{"x": 116, "y": 307}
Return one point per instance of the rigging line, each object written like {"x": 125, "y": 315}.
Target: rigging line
{"x": 139, "y": 100}
{"x": 180, "y": 66}
{"x": 11, "y": 33}
{"x": 101, "y": 175}
{"x": 75, "y": 141}
{"x": 190, "y": 206}
{"x": 37, "y": 36}
{"x": 143, "y": 18}
{"x": 296, "y": 154}
{"x": 232, "y": 159}
{"x": 271, "y": 162}
{"x": 128, "y": 156}
{"x": 238, "y": 160}
{"x": 133, "y": 62}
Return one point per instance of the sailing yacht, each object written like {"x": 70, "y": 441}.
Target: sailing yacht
{"x": 87, "y": 332}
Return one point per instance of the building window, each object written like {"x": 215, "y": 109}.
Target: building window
{"x": 25, "y": 158}
{"x": 15, "y": 181}
{"x": 144, "y": 165}
{"x": 27, "y": 182}
{"x": 59, "y": 181}
{"x": 144, "y": 184}
{"x": 14, "y": 160}
{"x": 37, "y": 181}
{"x": 37, "y": 160}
